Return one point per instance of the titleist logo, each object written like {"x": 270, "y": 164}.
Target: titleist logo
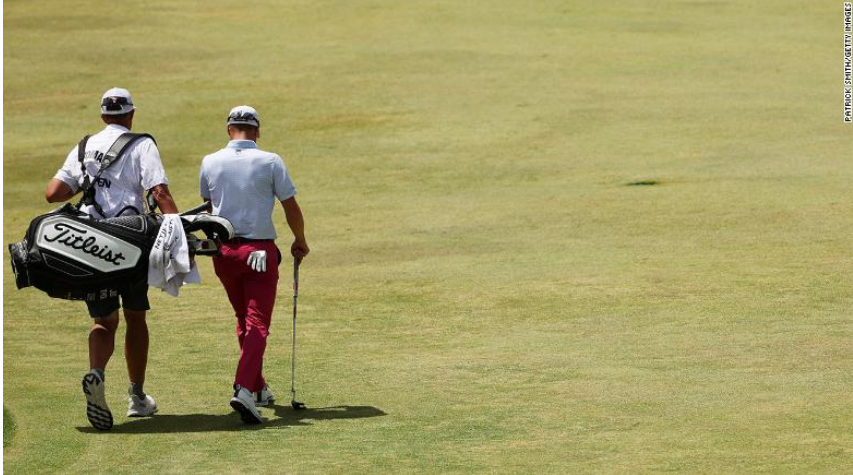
{"x": 76, "y": 238}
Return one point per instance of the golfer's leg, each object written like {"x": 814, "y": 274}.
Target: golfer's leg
{"x": 136, "y": 345}
{"x": 260, "y": 290}
{"x": 229, "y": 269}
{"x": 241, "y": 330}
{"x": 102, "y": 340}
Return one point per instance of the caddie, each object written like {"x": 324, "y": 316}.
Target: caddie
{"x": 112, "y": 191}
{"x": 243, "y": 183}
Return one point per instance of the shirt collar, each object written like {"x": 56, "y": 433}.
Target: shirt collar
{"x": 120, "y": 128}
{"x": 242, "y": 144}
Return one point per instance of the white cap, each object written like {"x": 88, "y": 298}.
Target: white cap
{"x": 244, "y": 115}
{"x": 116, "y": 101}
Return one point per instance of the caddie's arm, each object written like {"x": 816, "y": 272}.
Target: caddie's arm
{"x": 153, "y": 177}
{"x": 293, "y": 213}
{"x": 66, "y": 183}
{"x": 58, "y": 190}
{"x": 163, "y": 198}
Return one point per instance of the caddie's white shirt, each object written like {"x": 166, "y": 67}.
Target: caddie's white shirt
{"x": 122, "y": 184}
{"x": 243, "y": 184}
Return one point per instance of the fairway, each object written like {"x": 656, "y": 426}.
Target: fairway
{"x": 547, "y": 237}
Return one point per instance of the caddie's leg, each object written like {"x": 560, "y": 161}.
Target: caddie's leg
{"x": 101, "y": 345}
{"x": 136, "y": 345}
{"x": 135, "y": 303}
{"x": 102, "y": 336}
{"x": 102, "y": 340}
{"x": 259, "y": 290}
{"x": 134, "y": 300}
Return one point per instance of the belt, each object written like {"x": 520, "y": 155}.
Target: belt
{"x": 241, "y": 240}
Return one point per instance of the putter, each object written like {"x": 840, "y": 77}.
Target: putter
{"x": 297, "y": 406}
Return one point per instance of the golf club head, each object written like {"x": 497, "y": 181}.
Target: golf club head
{"x": 297, "y": 406}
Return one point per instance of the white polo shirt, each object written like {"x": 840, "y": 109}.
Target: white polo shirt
{"x": 243, "y": 184}
{"x": 122, "y": 184}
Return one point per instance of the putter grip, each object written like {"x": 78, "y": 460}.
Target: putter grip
{"x": 296, "y": 262}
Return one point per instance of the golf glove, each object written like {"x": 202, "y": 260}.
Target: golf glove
{"x": 258, "y": 261}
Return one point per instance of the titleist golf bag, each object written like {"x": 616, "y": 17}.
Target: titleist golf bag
{"x": 71, "y": 256}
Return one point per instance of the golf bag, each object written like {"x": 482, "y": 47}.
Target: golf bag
{"x": 71, "y": 256}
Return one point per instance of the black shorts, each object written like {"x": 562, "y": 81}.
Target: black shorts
{"x": 132, "y": 298}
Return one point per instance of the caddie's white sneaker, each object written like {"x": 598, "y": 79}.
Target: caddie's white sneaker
{"x": 137, "y": 407}
{"x": 264, "y": 397}
{"x": 97, "y": 411}
{"x": 244, "y": 403}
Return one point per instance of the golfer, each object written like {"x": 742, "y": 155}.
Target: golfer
{"x": 243, "y": 183}
{"x": 118, "y": 190}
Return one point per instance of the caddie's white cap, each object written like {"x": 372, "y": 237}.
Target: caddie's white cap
{"x": 116, "y": 101}
{"x": 244, "y": 115}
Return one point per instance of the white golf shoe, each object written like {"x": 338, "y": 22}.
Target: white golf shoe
{"x": 264, "y": 397}
{"x": 137, "y": 407}
{"x": 97, "y": 411}
{"x": 244, "y": 403}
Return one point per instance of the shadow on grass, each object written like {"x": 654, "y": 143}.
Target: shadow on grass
{"x": 9, "y": 427}
{"x": 284, "y": 416}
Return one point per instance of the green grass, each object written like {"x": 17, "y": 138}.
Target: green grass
{"x": 485, "y": 293}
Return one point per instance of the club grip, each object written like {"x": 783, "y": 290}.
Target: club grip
{"x": 206, "y": 206}
{"x": 296, "y": 262}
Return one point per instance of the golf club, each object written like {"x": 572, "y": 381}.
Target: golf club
{"x": 206, "y": 206}
{"x": 297, "y": 406}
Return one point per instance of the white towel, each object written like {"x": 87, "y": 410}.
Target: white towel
{"x": 169, "y": 265}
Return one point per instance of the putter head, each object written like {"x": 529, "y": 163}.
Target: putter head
{"x": 297, "y": 406}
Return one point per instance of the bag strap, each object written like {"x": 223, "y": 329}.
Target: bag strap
{"x": 81, "y": 148}
{"x": 116, "y": 151}
{"x": 81, "y": 154}
{"x": 118, "y": 148}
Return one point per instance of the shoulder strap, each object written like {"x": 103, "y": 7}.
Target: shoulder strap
{"x": 81, "y": 148}
{"x": 118, "y": 148}
{"x": 81, "y": 154}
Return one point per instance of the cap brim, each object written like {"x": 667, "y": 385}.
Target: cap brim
{"x": 120, "y": 112}
{"x": 252, "y": 123}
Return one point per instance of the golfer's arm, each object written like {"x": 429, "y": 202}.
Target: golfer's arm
{"x": 294, "y": 218}
{"x": 58, "y": 190}
{"x": 164, "y": 199}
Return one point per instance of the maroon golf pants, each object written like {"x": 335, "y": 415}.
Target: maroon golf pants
{"x": 252, "y": 294}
